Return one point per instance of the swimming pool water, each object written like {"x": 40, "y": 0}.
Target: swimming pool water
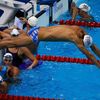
{"x": 67, "y": 81}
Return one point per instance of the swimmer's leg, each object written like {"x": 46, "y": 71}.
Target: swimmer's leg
{"x": 87, "y": 53}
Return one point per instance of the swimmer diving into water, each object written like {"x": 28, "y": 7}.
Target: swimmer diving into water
{"x": 73, "y": 34}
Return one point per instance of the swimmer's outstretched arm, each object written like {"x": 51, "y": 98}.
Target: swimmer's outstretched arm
{"x": 4, "y": 35}
{"x": 74, "y": 13}
{"x": 29, "y": 55}
{"x": 95, "y": 50}
{"x": 15, "y": 41}
{"x": 88, "y": 54}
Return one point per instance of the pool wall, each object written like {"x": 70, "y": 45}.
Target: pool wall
{"x": 43, "y": 17}
{"x": 59, "y": 8}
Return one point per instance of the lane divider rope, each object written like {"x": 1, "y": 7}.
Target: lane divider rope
{"x": 13, "y": 97}
{"x": 79, "y": 23}
{"x": 47, "y": 58}
{"x": 64, "y": 59}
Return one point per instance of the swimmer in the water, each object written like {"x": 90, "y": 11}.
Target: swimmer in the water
{"x": 81, "y": 11}
{"x": 67, "y": 33}
{"x": 7, "y": 72}
{"x": 22, "y": 55}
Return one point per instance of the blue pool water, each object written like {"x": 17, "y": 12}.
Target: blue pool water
{"x": 67, "y": 81}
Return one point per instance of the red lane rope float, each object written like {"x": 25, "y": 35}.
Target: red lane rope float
{"x": 9, "y": 97}
{"x": 79, "y": 23}
{"x": 64, "y": 59}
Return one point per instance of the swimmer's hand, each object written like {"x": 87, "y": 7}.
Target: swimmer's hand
{"x": 34, "y": 64}
{"x": 30, "y": 67}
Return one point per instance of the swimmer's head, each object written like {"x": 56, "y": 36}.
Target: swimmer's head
{"x": 8, "y": 56}
{"x": 84, "y": 7}
{"x": 32, "y": 21}
{"x": 87, "y": 40}
{"x": 14, "y": 32}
